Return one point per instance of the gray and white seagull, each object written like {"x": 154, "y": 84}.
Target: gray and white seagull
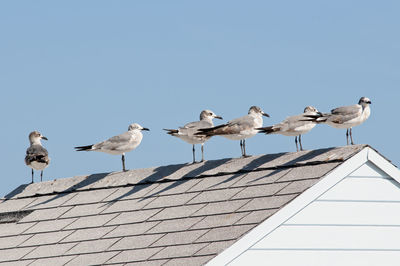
{"x": 119, "y": 145}
{"x": 37, "y": 156}
{"x": 293, "y": 126}
{"x": 346, "y": 117}
{"x": 187, "y": 132}
{"x": 238, "y": 129}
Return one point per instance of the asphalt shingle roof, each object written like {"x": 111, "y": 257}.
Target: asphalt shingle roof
{"x": 170, "y": 215}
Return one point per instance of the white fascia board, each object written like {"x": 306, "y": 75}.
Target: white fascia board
{"x": 260, "y": 231}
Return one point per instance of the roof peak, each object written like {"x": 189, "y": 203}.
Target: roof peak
{"x": 172, "y": 173}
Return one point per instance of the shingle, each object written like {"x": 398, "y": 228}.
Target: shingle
{"x": 98, "y": 245}
{"x": 88, "y": 234}
{"x": 298, "y": 186}
{"x": 14, "y": 253}
{"x": 92, "y": 259}
{"x": 134, "y": 255}
{"x": 176, "y": 187}
{"x": 308, "y": 171}
{"x": 84, "y": 210}
{"x": 45, "y": 238}
{"x": 12, "y": 241}
{"x": 260, "y": 190}
{"x": 170, "y": 200}
{"x": 52, "y": 201}
{"x": 86, "y": 197}
{"x": 49, "y": 251}
{"x": 91, "y": 221}
{"x": 49, "y": 226}
{"x": 261, "y": 177}
{"x": 16, "y": 263}
{"x": 267, "y": 202}
{"x": 13, "y": 205}
{"x": 221, "y": 207}
{"x": 134, "y": 242}
{"x": 177, "y": 212}
{"x": 131, "y": 229}
{"x": 256, "y": 216}
{"x": 127, "y": 205}
{"x": 225, "y": 233}
{"x": 45, "y": 214}
{"x": 147, "y": 263}
{"x": 55, "y": 261}
{"x": 215, "y": 195}
{"x": 215, "y": 247}
{"x": 133, "y": 217}
{"x": 185, "y": 237}
{"x": 179, "y": 251}
{"x": 217, "y": 182}
{"x": 131, "y": 192}
{"x": 192, "y": 261}
{"x": 218, "y": 220}
{"x": 9, "y": 229}
{"x": 174, "y": 225}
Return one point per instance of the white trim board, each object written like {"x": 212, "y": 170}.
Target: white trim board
{"x": 331, "y": 179}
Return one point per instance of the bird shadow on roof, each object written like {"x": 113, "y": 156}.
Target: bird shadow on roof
{"x": 16, "y": 191}
{"x": 161, "y": 174}
{"x": 208, "y": 165}
{"x": 89, "y": 180}
{"x": 280, "y": 164}
{"x": 305, "y": 157}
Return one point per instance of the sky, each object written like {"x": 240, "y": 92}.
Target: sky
{"x": 82, "y": 71}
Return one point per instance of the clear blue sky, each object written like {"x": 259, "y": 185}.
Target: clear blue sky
{"x": 82, "y": 71}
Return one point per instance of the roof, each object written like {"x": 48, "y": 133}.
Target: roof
{"x": 169, "y": 215}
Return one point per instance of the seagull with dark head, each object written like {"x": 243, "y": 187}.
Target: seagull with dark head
{"x": 119, "y": 145}
{"x": 346, "y": 117}
{"x": 293, "y": 126}
{"x": 238, "y": 129}
{"x": 37, "y": 156}
{"x": 187, "y": 132}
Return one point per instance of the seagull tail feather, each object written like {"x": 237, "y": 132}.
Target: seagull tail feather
{"x": 84, "y": 148}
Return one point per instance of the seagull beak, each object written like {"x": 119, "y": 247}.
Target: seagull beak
{"x": 43, "y": 137}
{"x": 218, "y": 117}
{"x": 265, "y": 114}
{"x": 145, "y": 128}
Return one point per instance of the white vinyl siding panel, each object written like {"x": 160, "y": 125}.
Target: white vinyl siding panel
{"x": 368, "y": 189}
{"x": 333, "y": 237}
{"x": 349, "y": 213}
{"x": 317, "y": 258}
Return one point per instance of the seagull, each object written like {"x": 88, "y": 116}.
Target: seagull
{"x": 346, "y": 116}
{"x": 120, "y": 144}
{"x": 293, "y": 126}
{"x": 37, "y": 156}
{"x": 239, "y": 128}
{"x": 187, "y": 132}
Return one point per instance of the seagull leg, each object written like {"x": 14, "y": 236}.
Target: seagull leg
{"x": 297, "y": 146}
{"x": 32, "y": 176}
{"x": 244, "y": 149}
{"x": 301, "y": 146}
{"x": 241, "y": 148}
{"x": 123, "y": 162}
{"x": 41, "y": 176}
{"x": 351, "y": 136}
{"x": 202, "y": 152}
{"x": 347, "y": 136}
{"x": 194, "y": 155}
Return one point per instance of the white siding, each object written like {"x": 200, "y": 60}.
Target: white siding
{"x": 318, "y": 258}
{"x": 354, "y": 222}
